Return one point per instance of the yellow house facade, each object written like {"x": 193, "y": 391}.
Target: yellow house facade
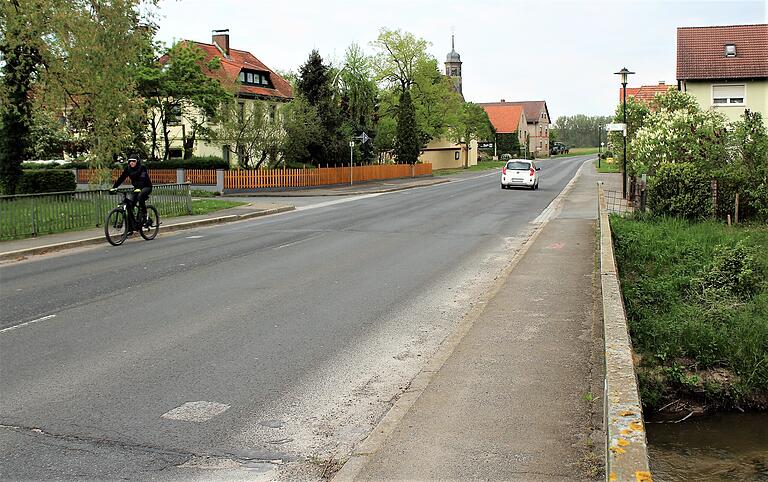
{"x": 255, "y": 83}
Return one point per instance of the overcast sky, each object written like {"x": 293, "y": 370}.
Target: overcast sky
{"x": 564, "y": 52}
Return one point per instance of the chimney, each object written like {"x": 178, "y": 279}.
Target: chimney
{"x": 221, "y": 40}
{"x": 662, "y": 82}
{"x": 503, "y": 100}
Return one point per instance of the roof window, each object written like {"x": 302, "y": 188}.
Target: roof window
{"x": 730, "y": 50}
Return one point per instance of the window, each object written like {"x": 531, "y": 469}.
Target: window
{"x": 242, "y": 76}
{"x": 174, "y": 114}
{"x": 249, "y": 77}
{"x": 730, "y": 50}
{"x": 728, "y": 94}
{"x": 518, "y": 165}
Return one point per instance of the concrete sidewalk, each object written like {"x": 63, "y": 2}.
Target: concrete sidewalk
{"x": 517, "y": 394}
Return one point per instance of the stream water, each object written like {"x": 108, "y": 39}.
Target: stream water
{"x": 727, "y": 446}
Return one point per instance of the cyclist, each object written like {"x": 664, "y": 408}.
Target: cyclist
{"x": 142, "y": 186}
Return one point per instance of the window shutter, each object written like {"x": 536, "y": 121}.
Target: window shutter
{"x": 727, "y": 91}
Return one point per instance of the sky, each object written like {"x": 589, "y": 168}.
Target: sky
{"x": 563, "y": 52}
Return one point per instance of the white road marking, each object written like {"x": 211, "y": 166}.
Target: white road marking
{"x": 27, "y": 323}
{"x": 194, "y": 237}
{"x": 298, "y": 242}
{"x": 201, "y": 411}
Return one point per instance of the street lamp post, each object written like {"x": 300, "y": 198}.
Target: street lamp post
{"x": 599, "y": 144}
{"x": 624, "y": 73}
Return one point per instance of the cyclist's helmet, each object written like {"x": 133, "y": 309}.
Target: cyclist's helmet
{"x": 134, "y": 157}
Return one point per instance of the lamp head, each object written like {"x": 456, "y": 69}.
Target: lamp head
{"x": 624, "y": 73}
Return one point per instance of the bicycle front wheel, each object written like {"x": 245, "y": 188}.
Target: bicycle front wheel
{"x": 151, "y": 225}
{"x": 116, "y": 227}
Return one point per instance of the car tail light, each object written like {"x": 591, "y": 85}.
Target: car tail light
{"x": 533, "y": 172}
{"x": 504, "y": 170}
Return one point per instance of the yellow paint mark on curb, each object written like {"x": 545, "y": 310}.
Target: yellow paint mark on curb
{"x": 622, "y": 442}
{"x": 627, "y": 413}
{"x": 642, "y": 476}
{"x": 617, "y": 450}
{"x": 636, "y": 426}
{"x": 626, "y": 431}
{"x": 613, "y": 476}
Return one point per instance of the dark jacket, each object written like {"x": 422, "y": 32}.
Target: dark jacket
{"x": 139, "y": 176}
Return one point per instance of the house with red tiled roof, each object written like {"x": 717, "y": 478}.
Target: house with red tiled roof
{"x": 646, "y": 93}
{"x": 535, "y": 135}
{"x": 725, "y": 67}
{"x": 507, "y": 119}
{"x": 241, "y": 71}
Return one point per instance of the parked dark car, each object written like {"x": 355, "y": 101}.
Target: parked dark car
{"x": 558, "y": 148}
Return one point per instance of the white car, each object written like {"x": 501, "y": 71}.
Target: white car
{"x": 520, "y": 172}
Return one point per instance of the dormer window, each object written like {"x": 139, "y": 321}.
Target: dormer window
{"x": 730, "y": 50}
{"x": 250, "y": 77}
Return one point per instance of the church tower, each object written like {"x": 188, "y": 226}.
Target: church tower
{"x": 453, "y": 67}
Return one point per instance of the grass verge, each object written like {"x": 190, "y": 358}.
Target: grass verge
{"x": 205, "y": 206}
{"x": 606, "y": 167}
{"x": 696, "y": 298}
{"x": 577, "y": 151}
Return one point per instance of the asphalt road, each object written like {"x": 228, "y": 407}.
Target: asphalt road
{"x": 265, "y": 347}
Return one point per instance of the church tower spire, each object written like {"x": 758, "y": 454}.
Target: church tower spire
{"x": 453, "y": 66}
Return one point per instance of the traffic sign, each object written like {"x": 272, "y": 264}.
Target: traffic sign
{"x": 363, "y": 138}
{"x": 615, "y": 127}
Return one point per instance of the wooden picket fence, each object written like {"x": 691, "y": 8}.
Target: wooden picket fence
{"x": 158, "y": 176}
{"x": 199, "y": 176}
{"x": 278, "y": 178}
{"x": 323, "y": 176}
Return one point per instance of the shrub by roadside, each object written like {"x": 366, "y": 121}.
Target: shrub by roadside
{"x": 46, "y": 180}
{"x": 696, "y": 297}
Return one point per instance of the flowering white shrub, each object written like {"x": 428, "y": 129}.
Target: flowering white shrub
{"x": 685, "y": 135}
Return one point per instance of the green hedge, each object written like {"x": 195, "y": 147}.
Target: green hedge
{"x": 46, "y": 180}
{"x": 205, "y": 162}
{"x": 680, "y": 190}
{"x": 208, "y": 162}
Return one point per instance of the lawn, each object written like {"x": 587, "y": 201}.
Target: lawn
{"x": 577, "y": 151}
{"x": 205, "y": 206}
{"x": 608, "y": 165}
{"x": 22, "y": 217}
{"x": 696, "y": 297}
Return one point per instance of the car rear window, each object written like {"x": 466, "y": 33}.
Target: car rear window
{"x": 519, "y": 165}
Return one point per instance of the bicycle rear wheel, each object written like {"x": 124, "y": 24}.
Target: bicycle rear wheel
{"x": 116, "y": 227}
{"x": 151, "y": 225}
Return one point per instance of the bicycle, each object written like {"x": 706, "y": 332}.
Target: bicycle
{"x": 121, "y": 221}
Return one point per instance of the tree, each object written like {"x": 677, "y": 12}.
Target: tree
{"x": 637, "y": 111}
{"x": 438, "y": 105}
{"x": 578, "y": 130}
{"x": 359, "y": 96}
{"x": 508, "y": 143}
{"x": 472, "y": 124}
{"x": 301, "y": 125}
{"x": 407, "y": 145}
{"x": 98, "y": 46}
{"x": 314, "y": 85}
{"x": 399, "y": 56}
{"x": 22, "y": 58}
{"x": 250, "y": 131}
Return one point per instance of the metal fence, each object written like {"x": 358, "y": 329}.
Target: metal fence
{"x": 616, "y": 203}
{"x": 35, "y": 214}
